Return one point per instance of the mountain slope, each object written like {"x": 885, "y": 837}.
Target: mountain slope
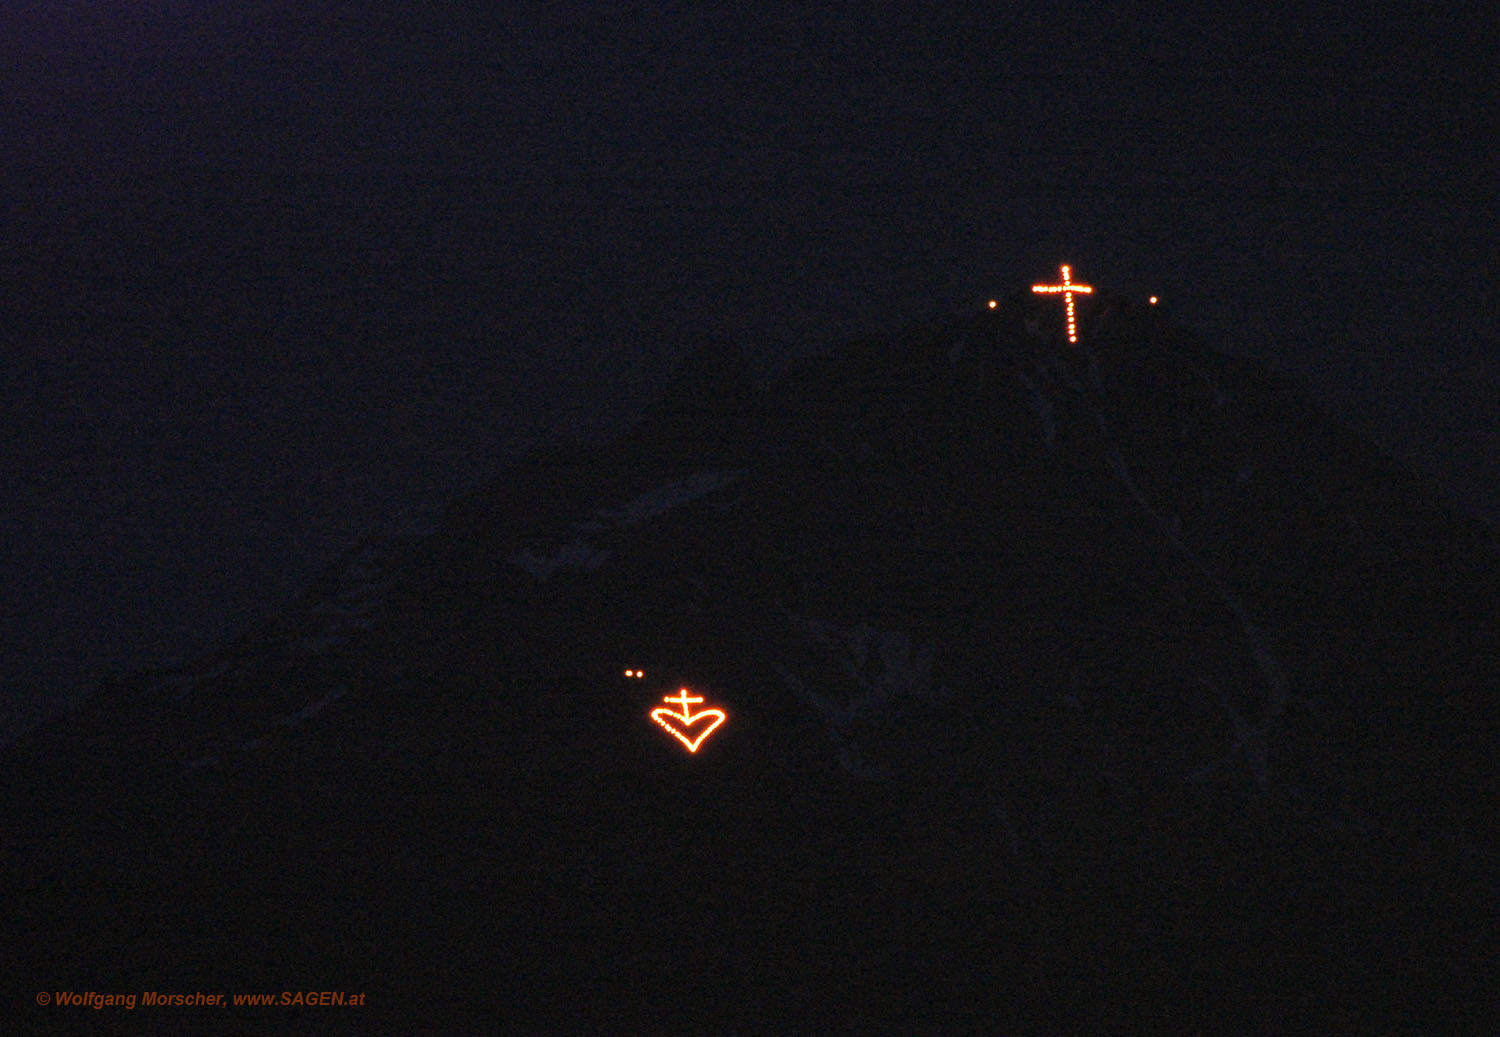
{"x": 1110, "y": 682}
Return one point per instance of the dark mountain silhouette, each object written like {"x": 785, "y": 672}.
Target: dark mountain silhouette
{"x": 1109, "y": 683}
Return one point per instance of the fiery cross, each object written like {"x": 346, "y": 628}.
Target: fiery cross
{"x": 683, "y": 699}
{"x": 1067, "y": 288}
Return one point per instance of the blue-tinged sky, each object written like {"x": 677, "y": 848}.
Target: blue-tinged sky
{"x": 274, "y": 274}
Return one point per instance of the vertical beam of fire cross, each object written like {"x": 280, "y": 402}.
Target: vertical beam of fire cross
{"x": 1067, "y": 288}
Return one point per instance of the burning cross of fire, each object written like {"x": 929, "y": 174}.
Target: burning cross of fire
{"x": 1067, "y": 288}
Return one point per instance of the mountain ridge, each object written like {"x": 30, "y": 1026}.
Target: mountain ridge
{"x": 1122, "y": 645}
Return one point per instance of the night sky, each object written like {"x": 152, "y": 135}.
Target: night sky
{"x": 276, "y": 274}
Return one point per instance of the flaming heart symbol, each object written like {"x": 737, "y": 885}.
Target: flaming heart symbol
{"x": 668, "y": 719}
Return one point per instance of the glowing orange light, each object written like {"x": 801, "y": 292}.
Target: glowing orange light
{"x": 1153, "y": 300}
{"x": 668, "y": 719}
{"x": 993, "y": 304}
{"x": 635, "y": 673}
{"x": 1067, "y": 288}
